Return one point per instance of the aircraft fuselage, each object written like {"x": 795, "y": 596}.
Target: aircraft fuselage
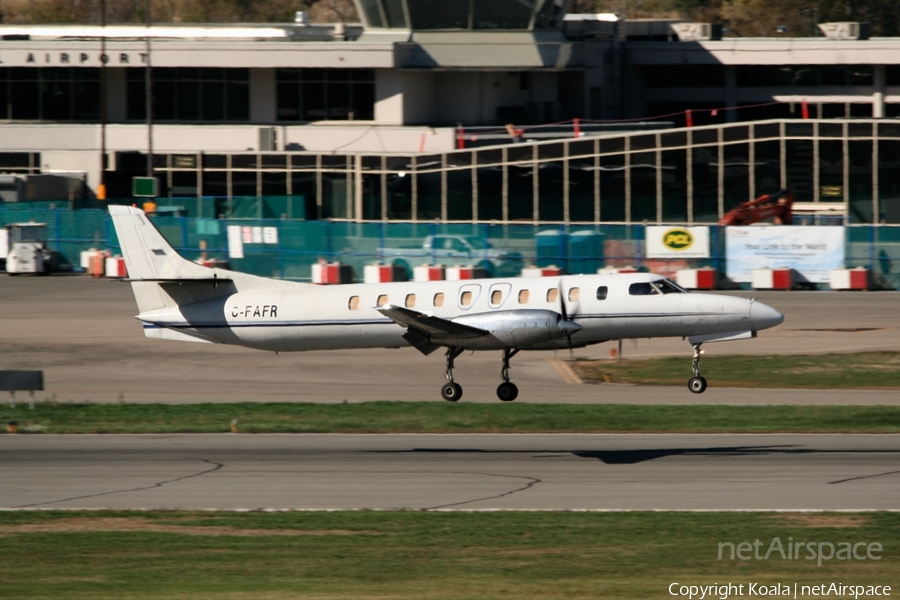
{"x": 519, "y": 312}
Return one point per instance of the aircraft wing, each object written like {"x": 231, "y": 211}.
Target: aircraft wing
{"x": 422, "y": 331}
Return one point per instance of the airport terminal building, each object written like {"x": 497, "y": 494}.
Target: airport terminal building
{"x": 481, "y": 112}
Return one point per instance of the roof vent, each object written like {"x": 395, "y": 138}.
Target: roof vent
{"x": 697, "y": 32}
{"x": 849, "y": 30}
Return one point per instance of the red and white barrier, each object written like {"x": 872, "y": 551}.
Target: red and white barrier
{"x": 696, "y": 279}
{"x": 428, "y": 273}
{"x": 551, "y": 271}
{"x": 331, "y": 273}
{"x": 115, "y": 267}
{"x": 85, "y": 258}
{"x": 616, "y": 270}
{"x": 850, "y": 279}
{"x": 460, "y": 273}
{"x": 383, "y": 273}
{"x": 212, "y": 263}
{"x": 772, "y": 279}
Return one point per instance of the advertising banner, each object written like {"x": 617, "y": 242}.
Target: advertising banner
{"x": 811, "y": 251}
{"x": 677, "y": 242}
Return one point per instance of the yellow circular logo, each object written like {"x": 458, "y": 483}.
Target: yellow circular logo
{"x": 678, "y": 239}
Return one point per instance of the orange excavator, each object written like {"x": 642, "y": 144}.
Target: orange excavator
{"x": 777, "y": 204}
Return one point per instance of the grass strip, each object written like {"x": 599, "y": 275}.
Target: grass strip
{"x": 443, "y": 417}
{"x": 407, "y": 555}
{"x": 862, "y": 370}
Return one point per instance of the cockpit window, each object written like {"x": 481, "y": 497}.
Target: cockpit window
{"x": 652, "y": 288}
{"x": 667, "y": 286}
{"x": 644, "y": 288}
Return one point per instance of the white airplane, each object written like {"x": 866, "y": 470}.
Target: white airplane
{"x": 182, "y": 300}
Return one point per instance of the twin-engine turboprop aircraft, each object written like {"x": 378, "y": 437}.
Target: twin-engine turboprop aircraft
{"x": 181, "y": 300}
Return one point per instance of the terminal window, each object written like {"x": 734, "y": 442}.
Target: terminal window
{"x": 191, "y": 94}
{"x": 325, "y": 94}
{"x": 49, "y": 94}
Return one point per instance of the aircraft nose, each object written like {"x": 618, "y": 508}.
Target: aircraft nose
{"x": 763, "y": 316}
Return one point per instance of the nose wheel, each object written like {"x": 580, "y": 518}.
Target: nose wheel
{"x": 697, "y": 383}
{"x": 451, "y": 391}
{"x": 507, "y": 391}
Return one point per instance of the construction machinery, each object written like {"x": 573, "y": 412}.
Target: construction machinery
{"x": 777, "y": 205}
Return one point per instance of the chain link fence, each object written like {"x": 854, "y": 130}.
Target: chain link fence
{"x": 501, "y": 250}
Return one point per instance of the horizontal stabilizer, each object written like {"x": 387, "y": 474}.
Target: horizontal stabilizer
{"x": 215, "y": 280}
{"x": 162, "y": 333}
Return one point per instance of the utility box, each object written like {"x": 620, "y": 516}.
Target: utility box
{"x": 578, "y": 252}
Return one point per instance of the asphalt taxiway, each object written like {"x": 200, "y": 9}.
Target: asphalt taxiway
{"x": 82, "y": 333}
{"x": 451, "y": 472}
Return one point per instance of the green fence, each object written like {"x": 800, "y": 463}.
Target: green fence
{"x": 500, "y": 249}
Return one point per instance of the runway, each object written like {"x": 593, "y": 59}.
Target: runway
{"x": 82, "y": 333}
{"x": 451, "y": 472}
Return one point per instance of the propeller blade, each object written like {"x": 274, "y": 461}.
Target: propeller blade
{"x": 562, "y": 302}
{"x": 565, "y": 316}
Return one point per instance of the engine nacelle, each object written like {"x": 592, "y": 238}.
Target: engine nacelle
{"x": 517, "y": 328}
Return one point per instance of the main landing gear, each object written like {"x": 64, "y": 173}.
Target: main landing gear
{"x": 451, "y": 391}
{"x": 507, "y": 391}
{"x": 697, "y": 384}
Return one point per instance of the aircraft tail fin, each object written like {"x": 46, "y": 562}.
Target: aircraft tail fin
{"x": 163, "y": 279}
{"x": 148, "y": 256}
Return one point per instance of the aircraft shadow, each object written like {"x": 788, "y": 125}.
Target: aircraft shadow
{"x": 631, "y": 457}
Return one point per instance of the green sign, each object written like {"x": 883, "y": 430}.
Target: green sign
{"x": 144, "y": 187}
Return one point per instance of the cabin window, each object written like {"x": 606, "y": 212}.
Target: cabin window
{"x": 523, "y": 296}
{"x": 552, "y": 295}
{"x": 410, "y": 300}
{"x": 439, "y": 299}
{"x": 574, "y": 294}
{"x": 382, "y": 300}
{"x": 499, "y": 293}
{"x": 602, "y": 291}
{"x": 354, "y": 303}
{"x": 465, "y": 299}
{"x": 643, "y": 288}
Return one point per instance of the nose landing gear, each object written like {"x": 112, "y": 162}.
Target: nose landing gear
{"x": 697, "y": 384}
{"x": 507, "y": 391}
{"x": 451, "y": 391}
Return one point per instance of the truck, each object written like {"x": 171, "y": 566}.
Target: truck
{"x": 453, "y": 250}
{"x": 25, "y": 249}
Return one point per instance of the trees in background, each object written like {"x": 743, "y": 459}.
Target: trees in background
{"x": 174, "y": 11}
{"x": 758, "y": 18}
{"x": 746, "y": 18}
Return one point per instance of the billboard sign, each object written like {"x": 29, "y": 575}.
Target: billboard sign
{"x": 811, "y": 251}
{"x": 677, "y": 242}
